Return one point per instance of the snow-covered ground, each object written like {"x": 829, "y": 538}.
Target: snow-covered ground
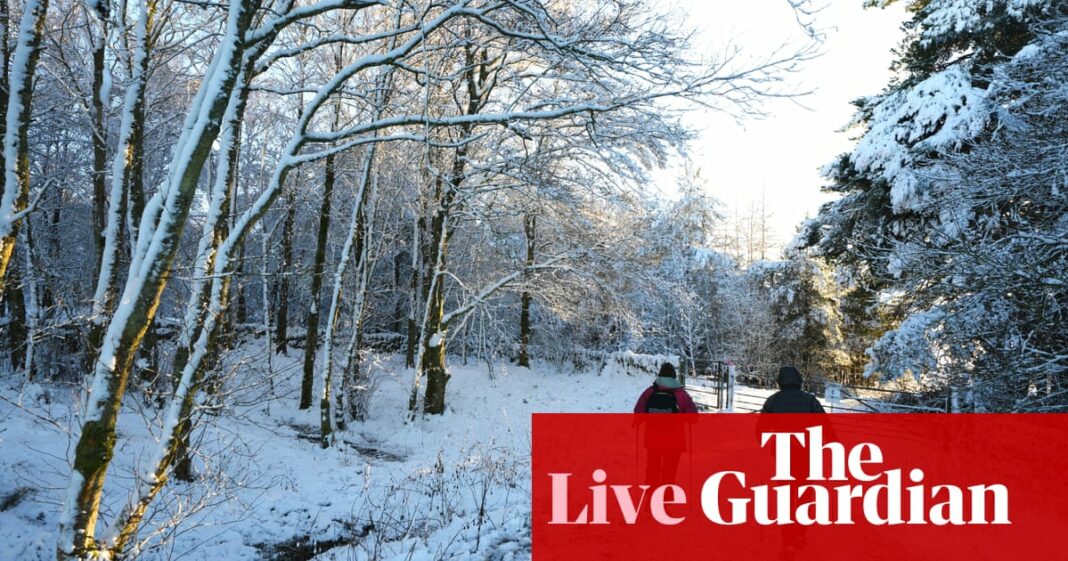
{"x": 390, "y": 490}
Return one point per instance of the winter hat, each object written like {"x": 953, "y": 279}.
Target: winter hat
{"x": 666, "y": 378}
{"x": 789, "y": 378}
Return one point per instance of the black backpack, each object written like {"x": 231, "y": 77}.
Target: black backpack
{"x": 661, "y": 401}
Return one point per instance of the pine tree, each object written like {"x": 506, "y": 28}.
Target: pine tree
{"x": 934, "y": 218}
{"x": 802, "y": 298}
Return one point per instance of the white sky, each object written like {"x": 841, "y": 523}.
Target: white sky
{"x": 782, "y": 153}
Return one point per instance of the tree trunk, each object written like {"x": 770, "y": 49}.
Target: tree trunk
{"x": 166, "y": 215}
{"x": 415, "y": 294}
{"x": 311, "y": 337}
{"x": 127, "y": 188}
{"x": 265, "y": 299}
{"x": 133, "y": 202}
{"x": 216, "y": 229}
{"x": 529, "y": 226}
{"x": 31, "y": 299}
{"x": 433, "y": 332}
{"x": 282, "y": 323}
{"x": 356, "y": 385}
{"x": 16, "y": 328}
{"x": 5, "y": 95}
{"x": 356, "y": 241}
{"x": 215, "y": 264}
{"x": 55, "y": 220}
{"x": 16, "y": 184}
{"x": 100, "y": 149}
{"x": 433, "y": 355}
{"x": 174, "y": 447}
{"x": 354, "y": 238}
{"x": 239, "y": 315}
{"x": 240, "y": 300}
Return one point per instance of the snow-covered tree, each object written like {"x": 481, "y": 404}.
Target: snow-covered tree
{"x": 18, "y": 106}
{"x": 952, "y": 204}
{"x": 803, "y": 300}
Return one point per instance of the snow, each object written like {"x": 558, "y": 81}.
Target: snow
{"x": 967, "y": 16}
{"x": 266, "y": 480}
{"x": 67, "y": 513}
{"x": 1027, "y": 52}
{"x": 941, "y": 112}
{"x": 911, "y": 349}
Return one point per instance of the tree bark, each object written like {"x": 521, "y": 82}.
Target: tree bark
{"x": 282, "y": 322}
{"x": 100, "y": 149}
{"x": 433, "y": 355}
{"x": 433, "y": 332}
{"x": 16, "y": 329}
{"x": 356, "y": 385}
{"x": 31, "y": 299}
{"x": 529, "y": 228}
{"x": 311, "y": 337}
{"x": 16, "y": 184}
{"x": 415, "y": 288}
{"x": 127, "y": 186}
{"x": 5, "y": 95}
{"x": 354, "y": 238}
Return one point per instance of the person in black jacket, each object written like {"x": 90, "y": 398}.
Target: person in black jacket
{"x": 790, "y": 398}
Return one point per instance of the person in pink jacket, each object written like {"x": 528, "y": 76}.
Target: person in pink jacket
{"x": 666, "y": 395}
{"x": 664, "y": 435}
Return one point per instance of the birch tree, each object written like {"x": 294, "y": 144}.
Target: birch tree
{"x": 160, "y": 229}
{"x": 126, "y": 169}
{"x": 15, "y": 198}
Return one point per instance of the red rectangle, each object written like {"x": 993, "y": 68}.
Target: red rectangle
{"x": 944, "y": 487}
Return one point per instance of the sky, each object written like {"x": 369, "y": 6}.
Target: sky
{"x": 781, "y": 154}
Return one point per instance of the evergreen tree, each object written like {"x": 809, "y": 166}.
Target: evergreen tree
{"x": 937, "y": 220}
{"x": 802, "y": 298}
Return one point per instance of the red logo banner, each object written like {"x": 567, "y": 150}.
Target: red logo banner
{"x": 826, "y": 487}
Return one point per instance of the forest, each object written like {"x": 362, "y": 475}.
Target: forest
{"x": 334, "y": 207}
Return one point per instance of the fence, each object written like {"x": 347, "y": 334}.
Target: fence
{"x": 729, "y": 388}
{"x": 722, "y": 386}
{"x": 625, "y": 361}
{"x": 715, "y": 380}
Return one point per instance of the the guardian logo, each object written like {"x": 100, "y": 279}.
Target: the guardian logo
{"x": 810, "y": 499}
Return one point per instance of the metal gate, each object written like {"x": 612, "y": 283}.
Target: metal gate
{"x": 714, "y": 380}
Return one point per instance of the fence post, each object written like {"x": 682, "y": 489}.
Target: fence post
{"x": 730, "y": 387}
{"x": 719, "y": 385}
{"x": 954, "y": 400}
{"x": 832, "y": 392}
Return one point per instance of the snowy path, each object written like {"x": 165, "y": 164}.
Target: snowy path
{"x": 394, "y": 491}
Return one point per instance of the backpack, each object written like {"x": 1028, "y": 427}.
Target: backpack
{"x": 661, "y": 401}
